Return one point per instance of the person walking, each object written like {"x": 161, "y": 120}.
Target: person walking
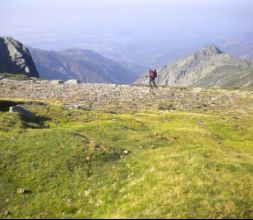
{"x": 152, "y": 76}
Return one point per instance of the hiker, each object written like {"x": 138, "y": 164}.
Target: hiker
{"x": 152, "y": 76}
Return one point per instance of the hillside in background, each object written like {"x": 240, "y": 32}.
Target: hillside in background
{"x": 208, "y": 67}
{"x": 84, "y": 65}
{"x": 15, "y": 58}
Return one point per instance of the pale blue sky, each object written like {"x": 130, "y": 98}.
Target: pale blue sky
{"x": 38, "y": 18}
{"x": 48, "y": 12}
{"x": 129, "y": 2}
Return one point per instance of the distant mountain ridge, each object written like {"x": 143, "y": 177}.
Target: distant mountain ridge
{"x": 208, "y": 67}
{"x": 84, "y": 65}
{"x": 15, "y": 58}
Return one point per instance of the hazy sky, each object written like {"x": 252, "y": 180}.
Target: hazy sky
{"x": 50, "y": 12}
{"x": 22, "y": 18}
{"x": 128, "y": 2}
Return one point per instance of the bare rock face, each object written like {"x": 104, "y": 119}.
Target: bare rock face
{"x": 15, "y": 58}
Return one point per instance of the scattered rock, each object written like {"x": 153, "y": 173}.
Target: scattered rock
{"x": 87, "y": 193}
{"x": 78, "y": 106}
{"x": 99, "y": 203}
{"x": 88, "y": 158}
{"x": 69, "y": 202}
{"x": 200, "y": 123}
{"x": 197, "y": 90}
{"x": 242, "y": 111}
{"x": 56, "y": 82}
{"x": 22, "y": 191}
{"x": 72, "y": 82}
{"x": 124, "y": 98}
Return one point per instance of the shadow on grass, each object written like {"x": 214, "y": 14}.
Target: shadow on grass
{"x": 30, "y": 120}
{"x": 5, "y": 105}
{"x": 35, "y": 122}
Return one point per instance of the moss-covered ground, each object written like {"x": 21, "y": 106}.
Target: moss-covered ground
{"x": 88, "y": 164}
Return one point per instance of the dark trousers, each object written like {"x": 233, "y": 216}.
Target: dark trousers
{"x": 152, "y": 81}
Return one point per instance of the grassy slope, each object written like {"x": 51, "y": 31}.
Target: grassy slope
{"x": 178, "y": 165}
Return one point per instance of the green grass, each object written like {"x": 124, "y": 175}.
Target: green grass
{"x": 15, "y": 76}
{"x": 87, "y": 164}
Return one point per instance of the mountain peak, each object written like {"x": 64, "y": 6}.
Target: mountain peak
{"x": 210, "y": 50}
{"x": 209, "y": 67}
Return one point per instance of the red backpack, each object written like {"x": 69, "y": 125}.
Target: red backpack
{"x": 154, "y": 73}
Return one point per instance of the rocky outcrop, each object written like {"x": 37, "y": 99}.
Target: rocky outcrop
{"x": 208, "y": 67}
{"x": 15, "y": 58}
